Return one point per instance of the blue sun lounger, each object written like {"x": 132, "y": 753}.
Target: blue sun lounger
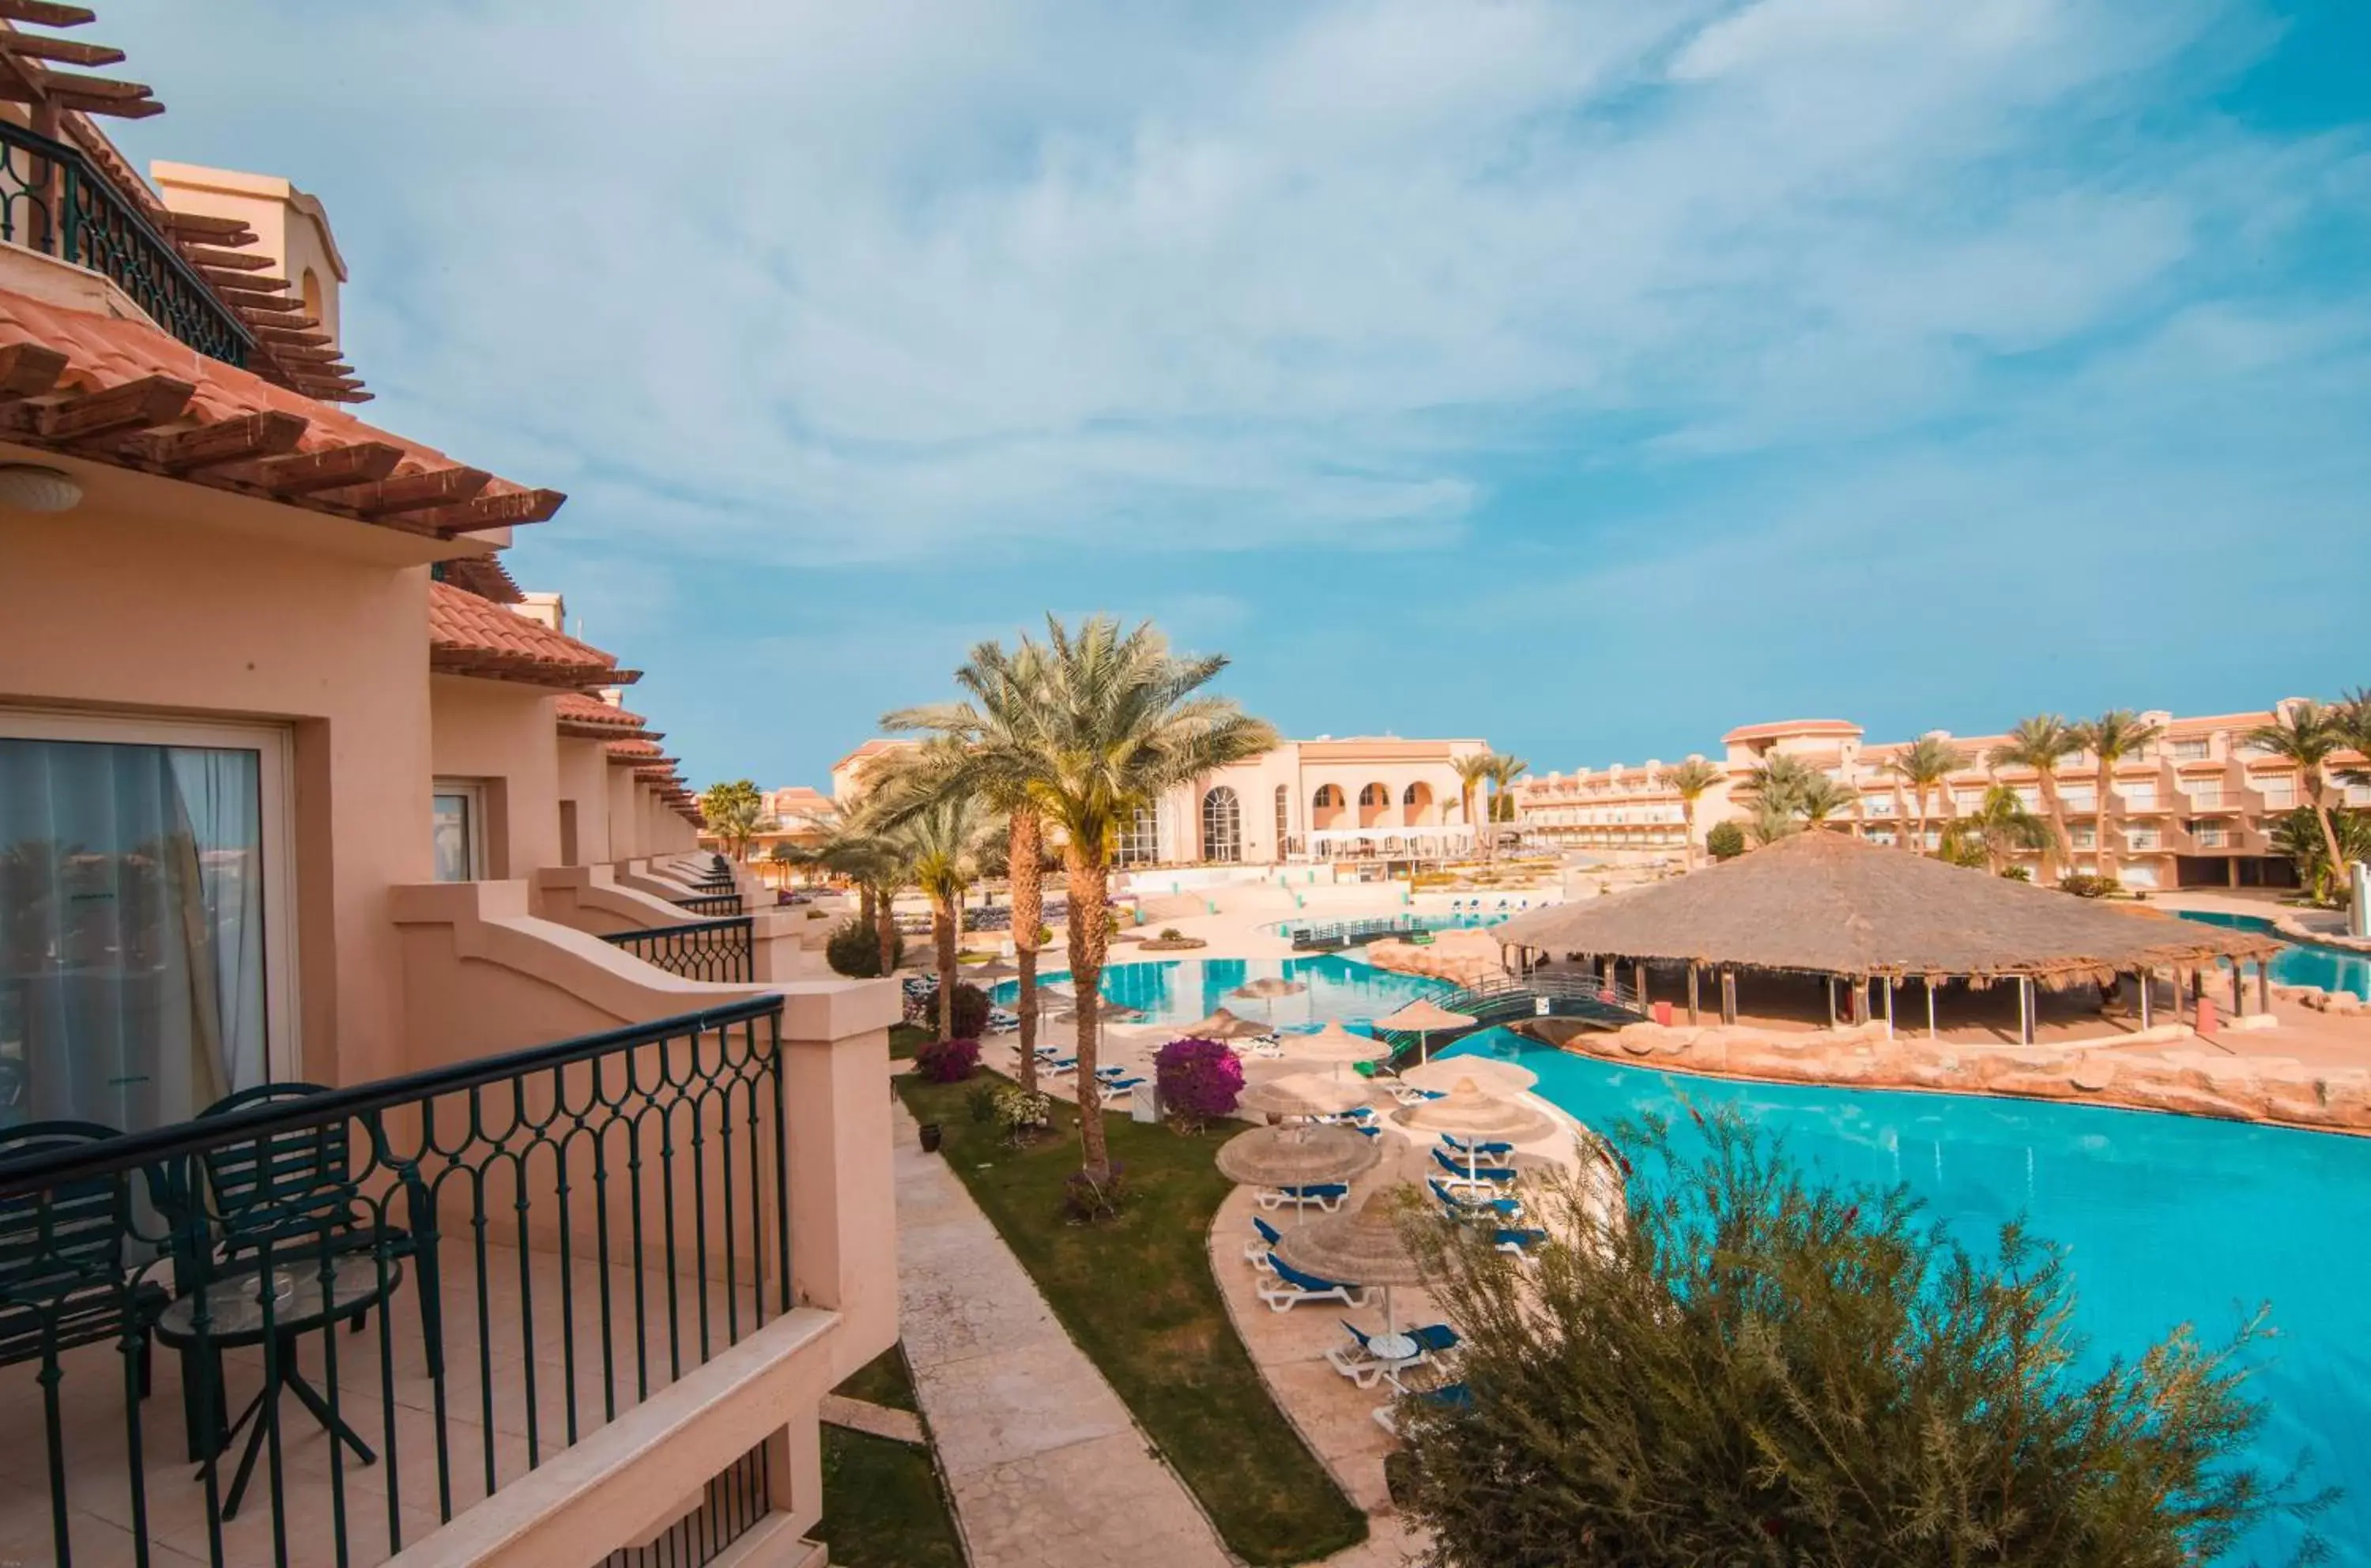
{"x": 1287, "y": 1287}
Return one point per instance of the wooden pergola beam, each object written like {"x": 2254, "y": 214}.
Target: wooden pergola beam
{"x": 212, "y": 230}
{"x": 332, "y": 468}
{"x": 28, "y": 370}
{"x": 291, "y": 336}
{"x": 495, "y": 511}
{"x": 207, "y": 256}
{"x": 270, "y": 302}
{"x": 225, "y": 278}
{"x": 413, "y": 492}
{"x": 245, "y": 438}
{"x": 300, "y": 355}
{"x": 74, "y": 52}
{"x": 136, "y": 405}
{"x": 45, "y": 13}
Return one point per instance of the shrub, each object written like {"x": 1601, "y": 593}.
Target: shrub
{"x": 854, "y": 949}
{"x": 1199, "y": 1081}
{"x": 1726, "y": 841}
{"x": 1859, "y": 1388}
{"x": 970, "y": 1010}
{"x": 2018, "y": 874}
{"x": 947, "y": 1061}
{"x": 1172, "y": 934}
{"x": 2084, "y": 885}
{"x": 1086, "y": 1201}
{"x": 1023, "y": 1113}
{"x": 981, "y": 1102}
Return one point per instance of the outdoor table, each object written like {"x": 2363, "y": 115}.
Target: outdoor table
{"x": 1395, "y": 1348}
{"x": 235, "y": 1319}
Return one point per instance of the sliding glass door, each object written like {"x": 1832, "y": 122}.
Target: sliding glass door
{"x": 144, "y": 972}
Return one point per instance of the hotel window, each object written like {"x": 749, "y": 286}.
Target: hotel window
{"x": 2083, "y": 837}
{"x": 148, "y": 964}
{"x": 460, "y": 828}
{"x": 2188, "y": 751}
{"x": 1283, "y": 816}
{"x": 1222, "y": 826}
{"x": 2139, "y": 797}
{"x": 1140, "y": 841}
{"x": 2280, "y": 794}
{"x": 1374, "y": 795}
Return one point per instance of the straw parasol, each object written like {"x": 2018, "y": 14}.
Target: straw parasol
{"x": 1107, "y": 1010}
{"x": 1267, "y": 989}
{"x": 1221, "y": 1025}
{"x": 1421, "y": 1018}
{"x": 995, "y": 969}
{"x": 1335, "y": 1044}
{"x": 1360, "y": 1246}
{"x": 1488, "y": 1074}
{"x": 1467, "y": 1112}
{"x": 1296, "y": 1157}
{"x": 1305, "y": 1094}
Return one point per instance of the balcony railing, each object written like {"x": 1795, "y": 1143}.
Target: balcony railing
{"x": 53, "y": 201}
{"x": 451, "y": 1277}
{"x": 701, "y": 950}
{"x": 711, "y": 903}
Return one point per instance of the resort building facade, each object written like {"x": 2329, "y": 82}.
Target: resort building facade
{"x": 2196, "y": 807}
{"x": 351, "y": 941}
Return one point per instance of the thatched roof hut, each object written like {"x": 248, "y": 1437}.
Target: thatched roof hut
{"x": 1826, "y": 904}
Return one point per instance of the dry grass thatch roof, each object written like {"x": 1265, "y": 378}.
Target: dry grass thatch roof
{"x": 1827, "y": 904}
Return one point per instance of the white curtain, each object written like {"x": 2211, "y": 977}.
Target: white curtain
{"x": 131, "y": 961}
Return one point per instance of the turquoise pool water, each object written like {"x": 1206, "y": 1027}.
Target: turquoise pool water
{"x": 1463, "y": 920}
{"x": 2302, "y": 963}
{"x": 2167, "y": 1219}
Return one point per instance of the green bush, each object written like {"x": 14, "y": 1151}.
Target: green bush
{"x": 854, "y": 949}
{"x": 2084, "y": 885}
{"x": 2018, "y": 874}
{"x": 1172, "y": 934}
{"x": 971, "y": 1011}
{"x": 1751, "y": 1367}
{"x": 1726, "y": 841}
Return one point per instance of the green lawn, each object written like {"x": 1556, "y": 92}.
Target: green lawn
{"x": 904, "y": 1037}
{"x": 882, "y": 1506}
{"x": 884, "y": 1380}
{"x": 1139, "y": 1296}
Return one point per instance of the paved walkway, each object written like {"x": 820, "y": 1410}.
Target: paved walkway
{"x": 1046, "y": 1466}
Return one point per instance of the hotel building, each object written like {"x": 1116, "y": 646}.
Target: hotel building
{"x": 373, "y": 1047}
{"x": 2195, "y": 809}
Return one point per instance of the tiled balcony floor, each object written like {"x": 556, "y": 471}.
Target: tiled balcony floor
{"x": 398, "y": 1416}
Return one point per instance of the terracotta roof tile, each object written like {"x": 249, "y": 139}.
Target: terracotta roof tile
{"x": 589, "y": 716}
{"x": 469, "y": 636}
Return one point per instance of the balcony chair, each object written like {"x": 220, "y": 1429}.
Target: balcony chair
{"x": 296, "y": 1193}
{"x": 66, "y": 1277}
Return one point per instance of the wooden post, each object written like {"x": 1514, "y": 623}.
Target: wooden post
{"x": 1728, "y": 996}
{"x": 2024, "y": 1008}
{"x": 2238, "y": 984}
{"x": 2148, "y": 985}
{"x": 1831, "y": 984}
{"x": 1692, "y": 993}
{"x": 1888, "y": 1007}
{"x": 1932, "y": 1034}
{"x": 1639, "y": 981}
{"x": 2263, "y": 986}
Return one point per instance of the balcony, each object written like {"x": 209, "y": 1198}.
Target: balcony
{"x": 53, "y": 201}
{"x": 475, "y": 1269}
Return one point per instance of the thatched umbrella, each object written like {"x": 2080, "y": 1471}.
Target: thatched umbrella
{"x": 1107, "y": 1010}
{"x": 1488, "y": 1074}
{"x": 995, "y": 969}
{"x": 1421, "y": 1018}
{"x": 1360, "y": 1246}
{"x": 1305, "y": 1094}
{"x": 1335, "y": 1044}
{"x": 1221, "y": 1025}
{"x": 1267, "y": 989}
{"x": 1467, "y": 1112}
{"x": 1296, "y": 1157}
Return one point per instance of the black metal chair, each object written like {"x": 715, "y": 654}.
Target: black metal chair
{"x": 66, "y": 1271}
{"x": 295, "y": 1194}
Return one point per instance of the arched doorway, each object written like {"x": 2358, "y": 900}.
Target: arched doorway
{"x": 1373, "y": 801}
{"x": 1325, "y": 808}
{"x": 1415, "y": 806}
{"x": 1222, "y": 826}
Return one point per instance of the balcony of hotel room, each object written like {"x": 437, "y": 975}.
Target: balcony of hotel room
{"x": 225, "y": 745}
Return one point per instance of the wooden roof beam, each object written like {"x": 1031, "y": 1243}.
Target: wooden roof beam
{"x": 136, "y": 405}
{"x": 225, "y": 441}
{"x": 413, "y": 492}
{"x": 74, "y": 52}
{"x": 45, "y": 13}
{"x": 207, "y": 256}
{"x": 211, "y": 230}
{"x": 332, "y": 468}
{"x": 255, "y": 282}
{"x": 28, "y": 370}
{"x": 257, "y": 299}
{"x": 495, "y": 511}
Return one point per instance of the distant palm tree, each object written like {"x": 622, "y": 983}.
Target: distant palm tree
{"x": 945, "y": 842}
{"x": 1504, "y": 770}
{"x": 1472, "y": 772}
{"x": 1821, "y": 800}
{"x": 2041, "y": 743}
{"x": 2308, "y": 735}
{"x": 1120, "y": 719}
{"x": 2110, "y": 738}
{"x": 1690, "y": 779}
{"x": 1927, "y": 764}
{"x": 1780, "y": 777}
{"x": 1771, "y": 821}
{"x": 1995, "y": 831}
{"x": 994, "y": 723}
{"x": 736, "y": 813}
{"x": 854, "y": 847}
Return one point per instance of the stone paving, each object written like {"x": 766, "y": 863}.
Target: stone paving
{"x": 1045, "y": 1464}
{"x": 878, "y": 1421}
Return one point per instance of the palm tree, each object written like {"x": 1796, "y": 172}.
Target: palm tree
{"x": 944, "y": 840}
{"x": 855, "y": 847}
{"x": 2110, "y": 738}
{"x": 1691, "y": 779}
{"x": 2308, "y": 735}
{"x": 994, "y": 724}
{"x": 736, "y": 813}
{"x": 1120, "y": 719}
{"x": 2297, "y": 834}
{"x": 2041, "y": 743}
{"x": 1996, "y": 830}
{"x": 1772, "y": 821}
{"x": 1472, "y": 771}
{"x": 1504, "y": 770}
{"x": 1821, "y": 800}
{"x": 1927, "y": 764}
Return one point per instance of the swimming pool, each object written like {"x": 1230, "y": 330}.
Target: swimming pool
{"x": 2301, "y": 964}
{"x": 1462, "y": 920}
{"x": 2167, "y": 1219}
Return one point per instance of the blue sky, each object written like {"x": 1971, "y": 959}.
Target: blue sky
{"x": 1588, "y": 377}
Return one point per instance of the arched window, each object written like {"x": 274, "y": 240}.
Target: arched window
{"x": 1222, "y": 826}
{"x": 1140, "y": 841}
{"x": 1374, "y": 795}
{"x": 309, "y": 288}
{"x": 1283, "y": 817}
{"x": 1325, "y": 808}
{"x": 1416, "y": 805}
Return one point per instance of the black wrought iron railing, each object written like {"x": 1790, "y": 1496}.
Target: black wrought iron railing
{"x": 1330, "y": 935}
{"x": 382, "y": 1302}
{"x": 700, "y": 949}
{"x": 54, "y": 200}
{"x": 1495, "y": 1003}
{"x": 711, "y": 903}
